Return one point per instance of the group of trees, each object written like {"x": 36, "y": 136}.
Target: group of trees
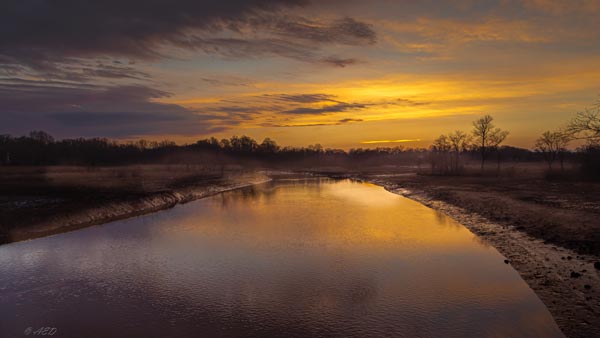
{"x": 484, "y": 138}
{"x": 40, "y": 148}
{"x": 585, "y": 127}
{"x": 553, "y": 146}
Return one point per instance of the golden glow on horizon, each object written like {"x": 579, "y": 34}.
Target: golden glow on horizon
{"x": 423, "y": 77}
{"x": 387, "y": 107}
{"x": 390, "y": 141}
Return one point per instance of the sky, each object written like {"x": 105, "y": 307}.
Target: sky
{"x": 343, "y": 74}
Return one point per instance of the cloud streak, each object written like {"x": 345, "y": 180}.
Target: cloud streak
{"x": 336, "y": 108}
{"x": 316, "y": 124}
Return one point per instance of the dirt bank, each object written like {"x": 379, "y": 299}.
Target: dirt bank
{"x": 566, "y": 280}
{"x": 45, "y": 215}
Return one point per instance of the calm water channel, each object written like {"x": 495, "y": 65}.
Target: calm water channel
{"x": 294, "y": 258}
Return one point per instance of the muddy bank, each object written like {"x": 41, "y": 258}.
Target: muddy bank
{"x": 70, "y": 215}
{"x": 566, "y": 281}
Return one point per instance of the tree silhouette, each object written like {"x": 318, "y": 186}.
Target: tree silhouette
{"x": 586, "y": 125}
{"x": 487, "y": 136}
{"x": 439, "y": 154}
{"x": 552, "y": 144}
{"x": 459, "y": 142}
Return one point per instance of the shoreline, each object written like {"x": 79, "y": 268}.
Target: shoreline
{"x": 566, "y": 282}
{"x": 123, "y": 209}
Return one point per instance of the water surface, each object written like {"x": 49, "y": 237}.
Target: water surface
{"x": 297, "y": 258}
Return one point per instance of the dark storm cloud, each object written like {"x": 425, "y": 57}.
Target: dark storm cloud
{"x": 131, "y": 28}
{"x": 86, "y": 53}
{"x": 80, "y": 119}
{"x": 68, "y": 109}
{"x": 44, "y": 35}
{"x": 56, "y": 96}
{"x": 336, "y": 108}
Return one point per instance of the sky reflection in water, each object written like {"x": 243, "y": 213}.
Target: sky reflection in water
{"x": 294, "y": 258}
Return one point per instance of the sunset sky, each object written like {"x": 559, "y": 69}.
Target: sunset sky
{"x": 340, "y": 73}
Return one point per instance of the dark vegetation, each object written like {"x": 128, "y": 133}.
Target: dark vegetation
{"x": 454, "y": 154}
{"x": 448, "y": 155}
{"x": 485, "y": 139}
{"x": 40, "y": 149}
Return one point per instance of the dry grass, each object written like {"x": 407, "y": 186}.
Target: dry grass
{"x": 141, "y": 178}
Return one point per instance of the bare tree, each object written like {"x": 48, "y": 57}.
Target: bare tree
{"x": 496, "y": 138}
{"x": 586, "y": 125}
{"x": 439, "y": 154}
{"x": 459, "y": 142}
{"x": 487, "y": 136}
{"x": 552, "y": 145}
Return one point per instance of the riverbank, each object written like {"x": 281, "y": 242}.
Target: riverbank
{"x": 551, "y": 242}
{"x": 548, "y": 231}
{"x": 48, "y": 206}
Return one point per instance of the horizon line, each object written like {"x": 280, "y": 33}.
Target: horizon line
{"x": 391, "y": 141}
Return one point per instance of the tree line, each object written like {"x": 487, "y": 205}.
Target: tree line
{"x": 40, "y": 148}
{"x": 447, "y": 155}
{"x": 486, "y": 139}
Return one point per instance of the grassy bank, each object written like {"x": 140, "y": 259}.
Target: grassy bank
{"x": 38, "y": 201}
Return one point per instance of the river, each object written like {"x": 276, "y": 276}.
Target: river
{"x": 289, "y": 258}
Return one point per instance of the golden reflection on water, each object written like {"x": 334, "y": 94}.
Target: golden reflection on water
{"x": 336, "y": 214}
{"x": 297, "y": 258}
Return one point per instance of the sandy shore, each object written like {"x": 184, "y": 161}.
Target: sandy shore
{"x": 566, "y": 281}
{"x": 130, "y": 207}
